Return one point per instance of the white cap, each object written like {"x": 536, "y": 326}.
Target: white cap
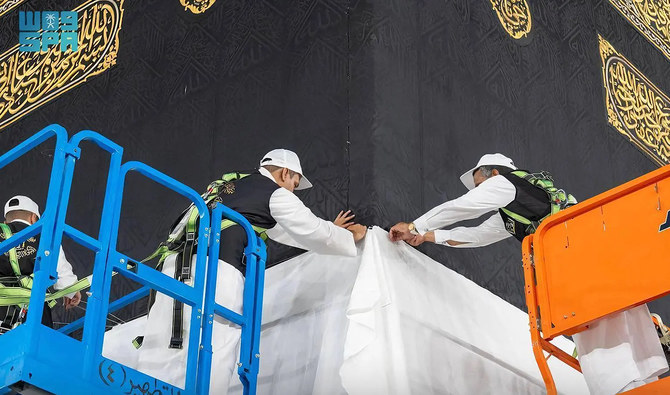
{"x": 487, "y": 160}
{"x": 288, "y": 159}
{"x": 20, "y": 202}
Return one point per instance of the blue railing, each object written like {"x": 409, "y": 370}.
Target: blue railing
{"x": 250, "y": 319}
{"x": 21, "y": 345}
{"x": 47, "y": 253}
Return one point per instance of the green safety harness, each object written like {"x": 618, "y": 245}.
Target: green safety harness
{"x": 558, "y": 198}
{"x": 182, "y": 241}
{"x": 15, "y": 291}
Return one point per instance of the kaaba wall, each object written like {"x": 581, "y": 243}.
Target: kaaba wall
{"x": 386, "y": 102}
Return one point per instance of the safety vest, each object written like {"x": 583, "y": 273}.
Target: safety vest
{"x": 183, "y": 240}
{"x": 16, "y": 290}
{"x": 536, "y": 199}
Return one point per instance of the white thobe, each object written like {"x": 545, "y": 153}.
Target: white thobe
{"x": 616, "y": 352}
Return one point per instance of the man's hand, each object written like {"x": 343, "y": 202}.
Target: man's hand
{"x": 72, "y": 302}
{"x": 400, "y": 231}
{"x": 417, "y": 240}
{"x": 343, "y": 219}
{"x": 358, "y": 230}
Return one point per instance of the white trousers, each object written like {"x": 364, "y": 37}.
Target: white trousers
{"x": 168, "y": 364}
{"x": 620, "y": 352}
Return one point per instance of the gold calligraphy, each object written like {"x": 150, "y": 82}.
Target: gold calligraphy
{"x": 197, "y": 6}
{"x": 30, "y": 79}
{"x": 514, "y": 16}
{"x": 7, "y": 5}
{"x": 635, "y": 107}
{"x": 649, "y": 17}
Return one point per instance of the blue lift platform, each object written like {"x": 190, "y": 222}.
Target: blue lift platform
{"x": 35, "y": 359}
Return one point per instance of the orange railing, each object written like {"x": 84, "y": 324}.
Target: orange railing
{"x": 602, "y": 256}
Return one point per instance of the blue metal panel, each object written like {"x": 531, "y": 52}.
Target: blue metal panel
{"x": 45, "y": 262}
{"x": 33, "y": 141}
{"x": 152, "y": 278}
{"x": 250, "y": 320}
{"x": 192, "y": 296}
{"x": 113, "y": 306}
{"x": 22, "y": 236}
{"x": 82, "y": 238}
{"x": 228, "y": 314}
{"x": 98, "y": 300}
{"x": 44, "y": 277}
{"x": 205, "y": 356}
{"x": 33, "y": 353}
{"x": 56, "y": 374}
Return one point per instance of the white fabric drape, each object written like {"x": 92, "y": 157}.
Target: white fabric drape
{"x": 391, "y": 321}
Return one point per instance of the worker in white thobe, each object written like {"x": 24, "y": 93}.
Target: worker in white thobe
{"x": 616, "y": 353}
{"x": 266, "y": 199}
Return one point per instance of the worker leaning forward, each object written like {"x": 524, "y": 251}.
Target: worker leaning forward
{"x": 616, "y": 353}
{"x": 265, "y": 198}
{"x": 17, "y": 265}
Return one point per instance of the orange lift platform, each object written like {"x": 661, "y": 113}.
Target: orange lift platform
{"x": 602, "y": 256}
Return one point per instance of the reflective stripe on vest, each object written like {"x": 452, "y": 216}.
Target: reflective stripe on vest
{"x": 10, "y": 296}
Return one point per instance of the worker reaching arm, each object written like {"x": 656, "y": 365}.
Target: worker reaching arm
{"x": 616, "y": 353}
{"x": 493, "y": 191}
{"x": 266, "y": 199}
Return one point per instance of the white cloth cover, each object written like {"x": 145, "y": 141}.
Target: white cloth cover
{"x": 633, "y": 348}
{"x": 389, "y": 321}
{"x": 118, "y": 343}
{"x": 159, "y": 361}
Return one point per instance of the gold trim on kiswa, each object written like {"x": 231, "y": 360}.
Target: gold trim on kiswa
{"x": 635, "y": 107}
{"x": 197, "y": 6}
{"x": 514, "y": 16}
{"x": 30, "y": 79}
{"x": 8, "y": 5}
{"x": 649, "y": 17}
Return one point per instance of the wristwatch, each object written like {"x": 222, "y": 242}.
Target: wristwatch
{"x": 412, "y": 229}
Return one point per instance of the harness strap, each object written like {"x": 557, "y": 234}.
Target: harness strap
{"x": 558, "y": 198}
{"x": 183, "y": 273}
{"x": 177, "y": 339}
{"x": 185, "y": 251}
{"x": 161, "y": 251}
{"x": 226, "y": 223}
{"x": 189, "y": 245}
{"x": 16, "y": 295}
{"x": 25, "y": 282}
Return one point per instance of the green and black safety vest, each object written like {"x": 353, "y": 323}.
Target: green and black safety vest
{"x": 536, "y": 199}
{"x": 16, "y": 280}
{"x": 248, "y": 194}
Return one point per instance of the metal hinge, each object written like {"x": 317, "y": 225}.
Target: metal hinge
{"x": 73, "y": 151}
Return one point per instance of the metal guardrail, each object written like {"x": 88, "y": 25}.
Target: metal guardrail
{"x": 27, "y": 356}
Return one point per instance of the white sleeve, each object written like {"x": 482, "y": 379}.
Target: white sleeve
{"x": 489, "y": 232}
{"x": 297, "y": 226}
{"x": 492, "y": 194}
{"x": 65, "y": 275}
{"x": 278, "y": 234}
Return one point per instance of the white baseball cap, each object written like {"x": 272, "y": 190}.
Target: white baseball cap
{"x": 487, "y": 160}
{"x": 288, "y": 159}
{"x": 20, "y": 202}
